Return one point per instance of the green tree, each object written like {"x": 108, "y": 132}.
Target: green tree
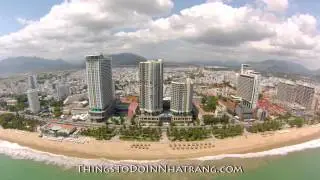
{"x": 211, "y": 103}
{"x": 57, "y": 111}
{"x": 203, "y": 100}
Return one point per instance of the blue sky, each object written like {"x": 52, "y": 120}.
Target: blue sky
{"x": 12, "y": 9}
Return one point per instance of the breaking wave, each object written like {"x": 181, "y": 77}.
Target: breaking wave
{"x": 17, "y": 151}
{"x": 273, "y": 152}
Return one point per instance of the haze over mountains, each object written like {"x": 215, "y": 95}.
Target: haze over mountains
{"x": 23, "y": 64}
{"x": 15, "y": 65}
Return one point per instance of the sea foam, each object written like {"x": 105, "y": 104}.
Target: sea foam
{"x": 17, "y": 151}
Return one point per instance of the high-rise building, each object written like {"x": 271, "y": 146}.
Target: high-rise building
{"x": 113, "y": 89}
{"x": 286, "y": 91}
{"x": 244, "y": 68}
{"x": 151, "y": 86}
{"x": 100, "y": 91}
{"x": 33, "y": 100}
{"x": 305, "y": 95}
{"x": 63, "y": 91}
{"x": 181, "y": 96}
{"x": 248, "y": 84}
{"x": 32, "y": 81}
{"x": 289, "y": 93}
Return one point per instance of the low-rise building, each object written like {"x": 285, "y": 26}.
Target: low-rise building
{"x": 11, "y": 102}
{"x": 53, "y": 129}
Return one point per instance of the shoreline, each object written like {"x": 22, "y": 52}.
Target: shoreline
{"x": 120, "y": 150}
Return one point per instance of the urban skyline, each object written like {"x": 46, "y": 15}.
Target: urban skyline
{"x": 195, "y": 89}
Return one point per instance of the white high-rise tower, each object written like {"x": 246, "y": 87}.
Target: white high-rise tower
{"x": 181, "y": 96}
{"x": 248, "y": 86}
{"x": 100, "y": 90}
{"x": 151, "y": 86}
{"x": 33, "y": 100}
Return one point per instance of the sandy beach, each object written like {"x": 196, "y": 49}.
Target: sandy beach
{"x": 121, "y": 150}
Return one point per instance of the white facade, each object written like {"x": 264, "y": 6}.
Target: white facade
{"x": 151, "y": 86}
{"x": 33, "y": 100}
{"x": 99, "y": 80}
{"x": 289, "y": 93}
{"x": 248, "y": 85}
{"x": 181, "y": 96}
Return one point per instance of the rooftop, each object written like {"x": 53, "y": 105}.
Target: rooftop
{"x": 57, "y": 127}
{"x": 152, "y": 61}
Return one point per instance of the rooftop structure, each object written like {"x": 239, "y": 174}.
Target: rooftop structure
{"x": 54, "y": 129}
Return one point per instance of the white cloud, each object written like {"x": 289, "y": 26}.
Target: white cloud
{"x": 277, "y": 5}
{"x": 210, "y": 23}
{"x": 254, "y": 33}
{"x": 225, "y": 1}
{"x": 208, "y": 31}
{"x": 77, "y": 24}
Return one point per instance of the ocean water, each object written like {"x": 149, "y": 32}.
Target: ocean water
{"x": 293, "y": 162}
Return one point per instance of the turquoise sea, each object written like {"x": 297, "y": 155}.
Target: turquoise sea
{"x": 294, "y": 166}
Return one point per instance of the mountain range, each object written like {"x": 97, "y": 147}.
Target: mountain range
{"x": 22, "y": 64}
{"x": 278, "y": 66}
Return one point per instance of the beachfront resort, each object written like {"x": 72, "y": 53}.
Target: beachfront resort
{"x": 154, "y": 108}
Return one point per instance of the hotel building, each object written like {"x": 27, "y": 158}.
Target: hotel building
{"x": 286, "y": 92}
{"x": 248, "y": 84}
{"x": 291, "y": 94}
{"x": 100, "y": 90}
{"x": 181, "y": 97}
{"x": 305, "y": 95}
{"x": 151, "y": 86}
